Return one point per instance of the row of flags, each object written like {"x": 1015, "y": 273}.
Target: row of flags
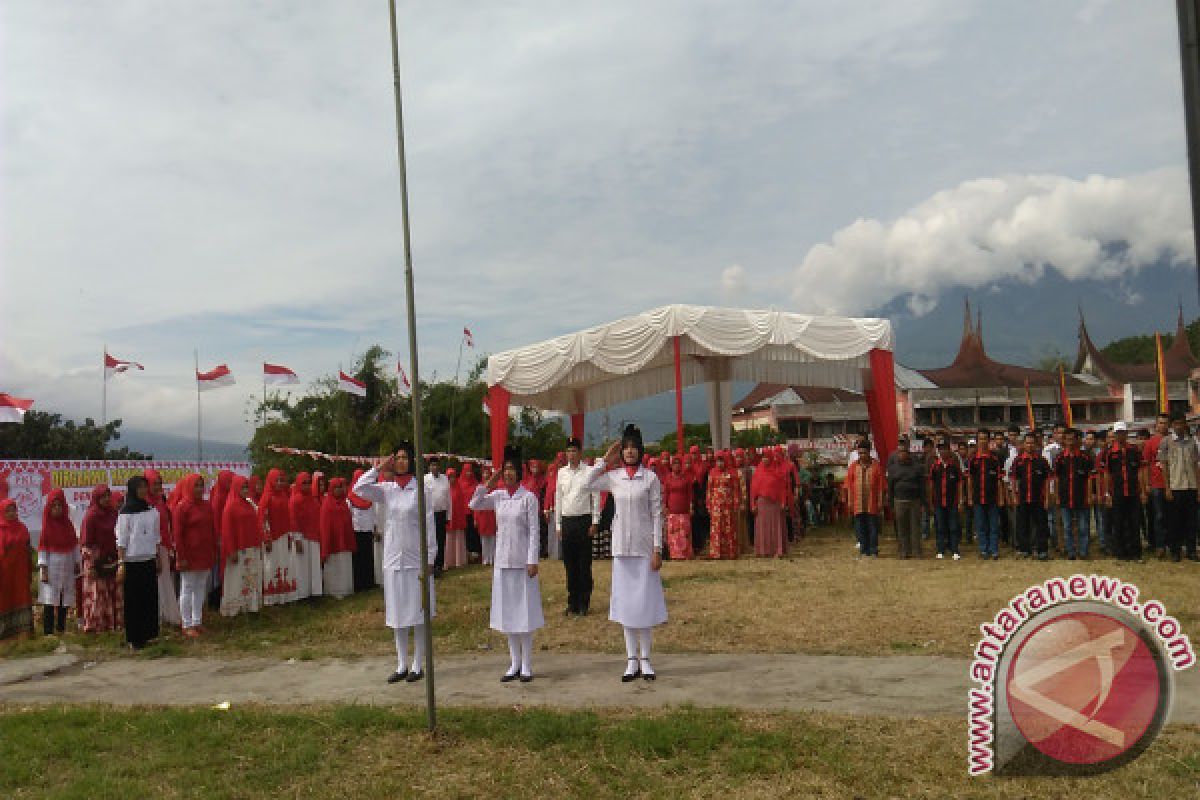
{"x": 12, "y": 409}
{"x": 273, "y": 374}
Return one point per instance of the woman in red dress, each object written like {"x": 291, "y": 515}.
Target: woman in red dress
{"x": 724, "y": 498}
{"x": 768, "y": 496}
{"x": 16, "y": 571}
{"x": 677, "y": 497}
{"x": 103, "y": 602}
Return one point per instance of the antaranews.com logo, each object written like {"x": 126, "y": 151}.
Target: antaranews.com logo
{"x": 1074, "y": 677}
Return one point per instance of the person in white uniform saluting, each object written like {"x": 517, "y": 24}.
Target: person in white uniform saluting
{"x": 516, "y": 596}
{"x": 402, "y": 556}
{"x": 636, "y": 600}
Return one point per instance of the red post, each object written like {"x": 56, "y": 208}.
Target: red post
{"x": 678, "y": 396}
{"x": 497, "y": 402}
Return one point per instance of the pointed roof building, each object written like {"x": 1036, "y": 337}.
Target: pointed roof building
{"x": 974, "y": 368}
{"x": 1178, "y": 359}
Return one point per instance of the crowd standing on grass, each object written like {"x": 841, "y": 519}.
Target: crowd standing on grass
{"x": 142, "y": 560}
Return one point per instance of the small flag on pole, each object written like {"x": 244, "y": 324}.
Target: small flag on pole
{"x": 12, "y": 409}
{"x": 351, "y": 385}
{"x": 217, "y": 378}
{"x": 1029, "y": 408}
{"x": 1068, "y": 418}
{"x": 467, "y": 337}
{"x": 404, "y": 385}
{"x": 1160, "y": 376}
{"x": 277, "y": 375}
{"x": 115, "y": 366}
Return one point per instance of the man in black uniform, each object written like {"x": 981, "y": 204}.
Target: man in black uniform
{"x": 1030, "y": 478}
{"x": 1124, "y": 494}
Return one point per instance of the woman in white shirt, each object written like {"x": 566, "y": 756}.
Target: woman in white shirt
{"x": 402, "y": 556}
{"x": 137, "y": 548}
{"x": 516, "y": 595}
{"x": 637, "y": 601}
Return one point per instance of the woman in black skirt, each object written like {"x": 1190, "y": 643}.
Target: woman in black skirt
{"x": 137, "y": 548}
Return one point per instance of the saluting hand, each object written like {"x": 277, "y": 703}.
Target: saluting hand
{"x": 612, "y": 454}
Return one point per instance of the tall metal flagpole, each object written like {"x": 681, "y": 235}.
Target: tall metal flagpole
{"x": 454, "y": 397}
{"x": 1188, "y": 12}
{"x": 418, "y": 467}
{"x": 199, "y": 439}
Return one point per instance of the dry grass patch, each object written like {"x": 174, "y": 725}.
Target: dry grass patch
{"x": 370, "y": 752}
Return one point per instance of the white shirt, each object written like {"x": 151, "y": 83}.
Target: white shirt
{"x": 401, "y": 524}
{"x": 518, "y": 527}
{"x": 572, "y": 498}
{"x": 1050, "y": 452}
{"x": 363, "y": 518}
{"x": 438, "y": 487}
{"x": 638, "y": 522}
{"x": 138, "y": 535}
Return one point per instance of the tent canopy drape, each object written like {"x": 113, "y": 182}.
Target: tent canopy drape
{"x": 676, "y": 346}
{"x": 633, "y": 357}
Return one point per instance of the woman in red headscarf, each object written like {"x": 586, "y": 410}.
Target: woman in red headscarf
{"x": 241, "y": 552}
{"x": 362, "y": 517}
{"x": 279, "y": 534}
{"x": 768, "y": 496}
{"x": 58, "y": 563}
{"x": 535, "y": 481}
{"x": 306, "y": 537}
{"x": 103, "y": 606}
{"x": 724, "y": 498}
{"x": 467, "y": 482}
{"x": 16, "y": 601}
{"x": 337, "y": 541}
{"x": 485, "y": 523}
{"x": 168, "y": 600}
{"x": 254, "y": 494}
{"x": 195, "y": 551}
{"x": 456, "y": 526}
{"x": 677, "y": 499}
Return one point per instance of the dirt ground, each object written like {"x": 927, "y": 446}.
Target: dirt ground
{"x": 897, "y": 686}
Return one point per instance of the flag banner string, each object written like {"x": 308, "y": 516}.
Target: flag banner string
{"x": 367, "y": 460}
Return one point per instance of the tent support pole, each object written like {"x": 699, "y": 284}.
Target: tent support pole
{"x": 678, "y": 396}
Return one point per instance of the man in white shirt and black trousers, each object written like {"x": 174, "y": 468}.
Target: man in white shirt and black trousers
{"x": 438, "y": 486}
{"x": 576, "y": 521}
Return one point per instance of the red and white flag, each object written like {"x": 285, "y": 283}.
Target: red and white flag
{"x": 277, "y": 375}
{"x": 115, "y": 366}
{"x": 215, "y": 379}
{"x": 467, "y": 337}
{"x": 351, "y": 385}
{"x": 405, "y": 386}
{"x": 12, "y": 409}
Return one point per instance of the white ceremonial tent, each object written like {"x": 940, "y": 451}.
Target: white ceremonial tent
{"x": 676, "y": 346}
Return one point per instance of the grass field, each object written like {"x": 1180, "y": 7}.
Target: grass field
{"x": 819, "y": 600}
{"x": 369, "y": 752}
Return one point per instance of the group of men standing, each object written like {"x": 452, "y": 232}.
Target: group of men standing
{"x": 1036, "y": 490}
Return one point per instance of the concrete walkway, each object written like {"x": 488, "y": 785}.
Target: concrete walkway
{"x": 899, "y": 686}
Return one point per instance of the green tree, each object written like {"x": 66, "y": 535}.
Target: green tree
{"x": 698, "y": 434}
{"x": 47, "y": 435}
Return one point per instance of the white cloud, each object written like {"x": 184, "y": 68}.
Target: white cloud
{"x": 733, "y": 282}
{"x": 1010, "y": 227}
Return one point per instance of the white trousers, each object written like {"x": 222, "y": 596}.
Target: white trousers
{"x": 489, "y": 549}
{"x": 193, "y": 590}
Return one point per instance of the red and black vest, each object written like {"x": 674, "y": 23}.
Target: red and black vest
{"x": 1029, "y": 474}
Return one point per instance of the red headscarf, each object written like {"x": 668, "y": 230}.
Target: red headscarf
{"x": 305, "y": 508}
{"x": 156, "y": 500}
{"x": 219, "y": 494}
{"x": 355, "y": 500}
{"x": 58, "y": 533}
{"x": 256, "y": 489}
{"x": 195, "y": 532}
{"x": 240, "y": 528}
{"x": 315, "y": 490}
{"x": 274, "y": 515}
{"x": 768, "y": 481}
{"x": 337, "y": 527}
{"x": 98, "y": 531}
{"x": 14, "y": 533}
{"x": 535, "y": 483}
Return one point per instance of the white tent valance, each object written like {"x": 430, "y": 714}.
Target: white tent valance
{"x": 633, "y": 357}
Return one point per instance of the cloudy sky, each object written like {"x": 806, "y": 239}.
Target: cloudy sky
{"x": 222, "y": 175}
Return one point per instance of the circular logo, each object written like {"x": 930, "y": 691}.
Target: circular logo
{"x": 1086, "y": 688}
